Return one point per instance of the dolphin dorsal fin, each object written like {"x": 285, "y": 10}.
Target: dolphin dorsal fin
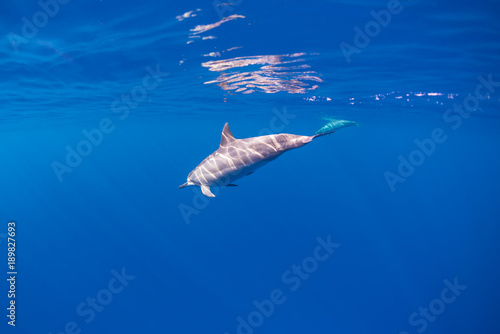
{"x": 227, "y": 136}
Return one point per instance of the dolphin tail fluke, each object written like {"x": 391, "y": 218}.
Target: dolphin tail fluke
{"x": 206, "y": 191}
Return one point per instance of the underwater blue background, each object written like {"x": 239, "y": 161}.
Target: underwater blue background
{"x": 196, "y": 265}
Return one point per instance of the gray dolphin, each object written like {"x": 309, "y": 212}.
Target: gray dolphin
{"x": 236, "y": 158}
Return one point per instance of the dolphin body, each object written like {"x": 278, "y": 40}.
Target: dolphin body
{"x": 236, "y": 158}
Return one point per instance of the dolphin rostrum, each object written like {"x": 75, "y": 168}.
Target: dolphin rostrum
{"x": 236, "y": 158}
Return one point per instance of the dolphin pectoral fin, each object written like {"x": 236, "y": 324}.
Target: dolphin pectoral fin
{"x": 250, "y": 173}
{"x": 206, "y": 191}
{"x": 231, "y": 185}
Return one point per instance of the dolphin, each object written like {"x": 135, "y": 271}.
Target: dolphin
{"x": 335, "y": 124}
{"x": 236, "y": 158}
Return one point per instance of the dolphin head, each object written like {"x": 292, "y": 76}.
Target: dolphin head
{"x": 192, "y": 180}
{"x": 289, "y": 141}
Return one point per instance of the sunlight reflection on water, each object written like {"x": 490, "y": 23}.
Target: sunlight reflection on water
{"x": 270, "y": 76}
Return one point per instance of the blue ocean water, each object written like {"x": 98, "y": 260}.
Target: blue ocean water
{"x": 388, "y": 227}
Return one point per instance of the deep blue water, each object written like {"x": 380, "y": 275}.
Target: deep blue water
{"x": 389, "y": 227}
